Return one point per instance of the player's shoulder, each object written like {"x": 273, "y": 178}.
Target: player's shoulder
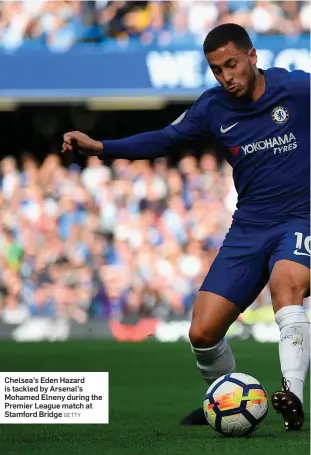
{"x": 204, "y": 105}
{"x": 288, "y": 79}
{"x": 300, "y": 80}
{"x": 216, "y": 93}
{"x": 210, "y": 96}
{"x": 276, "y": 72}
{"x": 200, "y": 110}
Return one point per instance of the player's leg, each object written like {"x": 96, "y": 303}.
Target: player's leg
{"x": 289, "y": 284}
{"x": 237, "y": 276}
{"x": 212, "y": 317}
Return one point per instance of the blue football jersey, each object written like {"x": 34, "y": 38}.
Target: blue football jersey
{"x": 267, "y": 143}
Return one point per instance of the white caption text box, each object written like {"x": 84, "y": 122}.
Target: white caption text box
{"x": 54, "y": 397}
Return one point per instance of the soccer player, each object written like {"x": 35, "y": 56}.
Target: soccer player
{"x": 261, "y": 120}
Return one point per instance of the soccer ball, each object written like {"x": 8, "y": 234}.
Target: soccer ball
{"x": 235, "y": 404}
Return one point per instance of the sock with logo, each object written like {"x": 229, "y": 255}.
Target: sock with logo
{"x": 294, "y": 347}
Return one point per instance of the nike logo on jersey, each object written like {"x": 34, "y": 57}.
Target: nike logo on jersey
{"x": 225, "y": 130}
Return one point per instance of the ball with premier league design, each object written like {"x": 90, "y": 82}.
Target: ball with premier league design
{"x": 235, "y": 404}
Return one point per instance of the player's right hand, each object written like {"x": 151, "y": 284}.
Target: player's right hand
{"x": 80, "y": 142}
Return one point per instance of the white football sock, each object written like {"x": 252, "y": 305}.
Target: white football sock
{"x": 215, "y": 362}
{"x": 294, "y": 347}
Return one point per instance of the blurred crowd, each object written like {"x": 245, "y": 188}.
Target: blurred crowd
{"x": 59, "y": 25}
{"x": 134, "y": 238}
{"x": 131, "y": 240}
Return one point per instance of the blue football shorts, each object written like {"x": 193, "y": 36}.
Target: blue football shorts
{"x": 245, "y": 261}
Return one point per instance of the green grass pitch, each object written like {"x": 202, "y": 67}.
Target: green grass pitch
{"x": 152, "y": 385}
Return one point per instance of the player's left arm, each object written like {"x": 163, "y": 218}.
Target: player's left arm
{"x": 188, "y": 128}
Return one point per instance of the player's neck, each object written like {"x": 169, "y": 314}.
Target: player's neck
{"x": 259, "y": 86}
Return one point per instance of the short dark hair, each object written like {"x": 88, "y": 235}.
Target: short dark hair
{"x": 225, "y": 33}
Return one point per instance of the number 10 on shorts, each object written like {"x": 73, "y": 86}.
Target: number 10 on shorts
{"x": 300, "y": 244}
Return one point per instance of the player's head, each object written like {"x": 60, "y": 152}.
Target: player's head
{"x": 232, "y": 58}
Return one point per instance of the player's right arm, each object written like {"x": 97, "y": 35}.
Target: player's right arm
{"x": 189, "y": 127}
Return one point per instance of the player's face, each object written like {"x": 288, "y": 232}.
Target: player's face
{"x": 233, "y": 68}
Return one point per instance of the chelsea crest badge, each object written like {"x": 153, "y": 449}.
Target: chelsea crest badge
{"x": 280, "y": 115}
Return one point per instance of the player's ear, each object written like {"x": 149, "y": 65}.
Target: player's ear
{"x": 252, "y": 55}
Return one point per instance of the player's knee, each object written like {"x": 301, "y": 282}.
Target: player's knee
{"x": 203, "y": 336}
{"x": 289, "y": 284}
{"x": 287, "y": 292}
